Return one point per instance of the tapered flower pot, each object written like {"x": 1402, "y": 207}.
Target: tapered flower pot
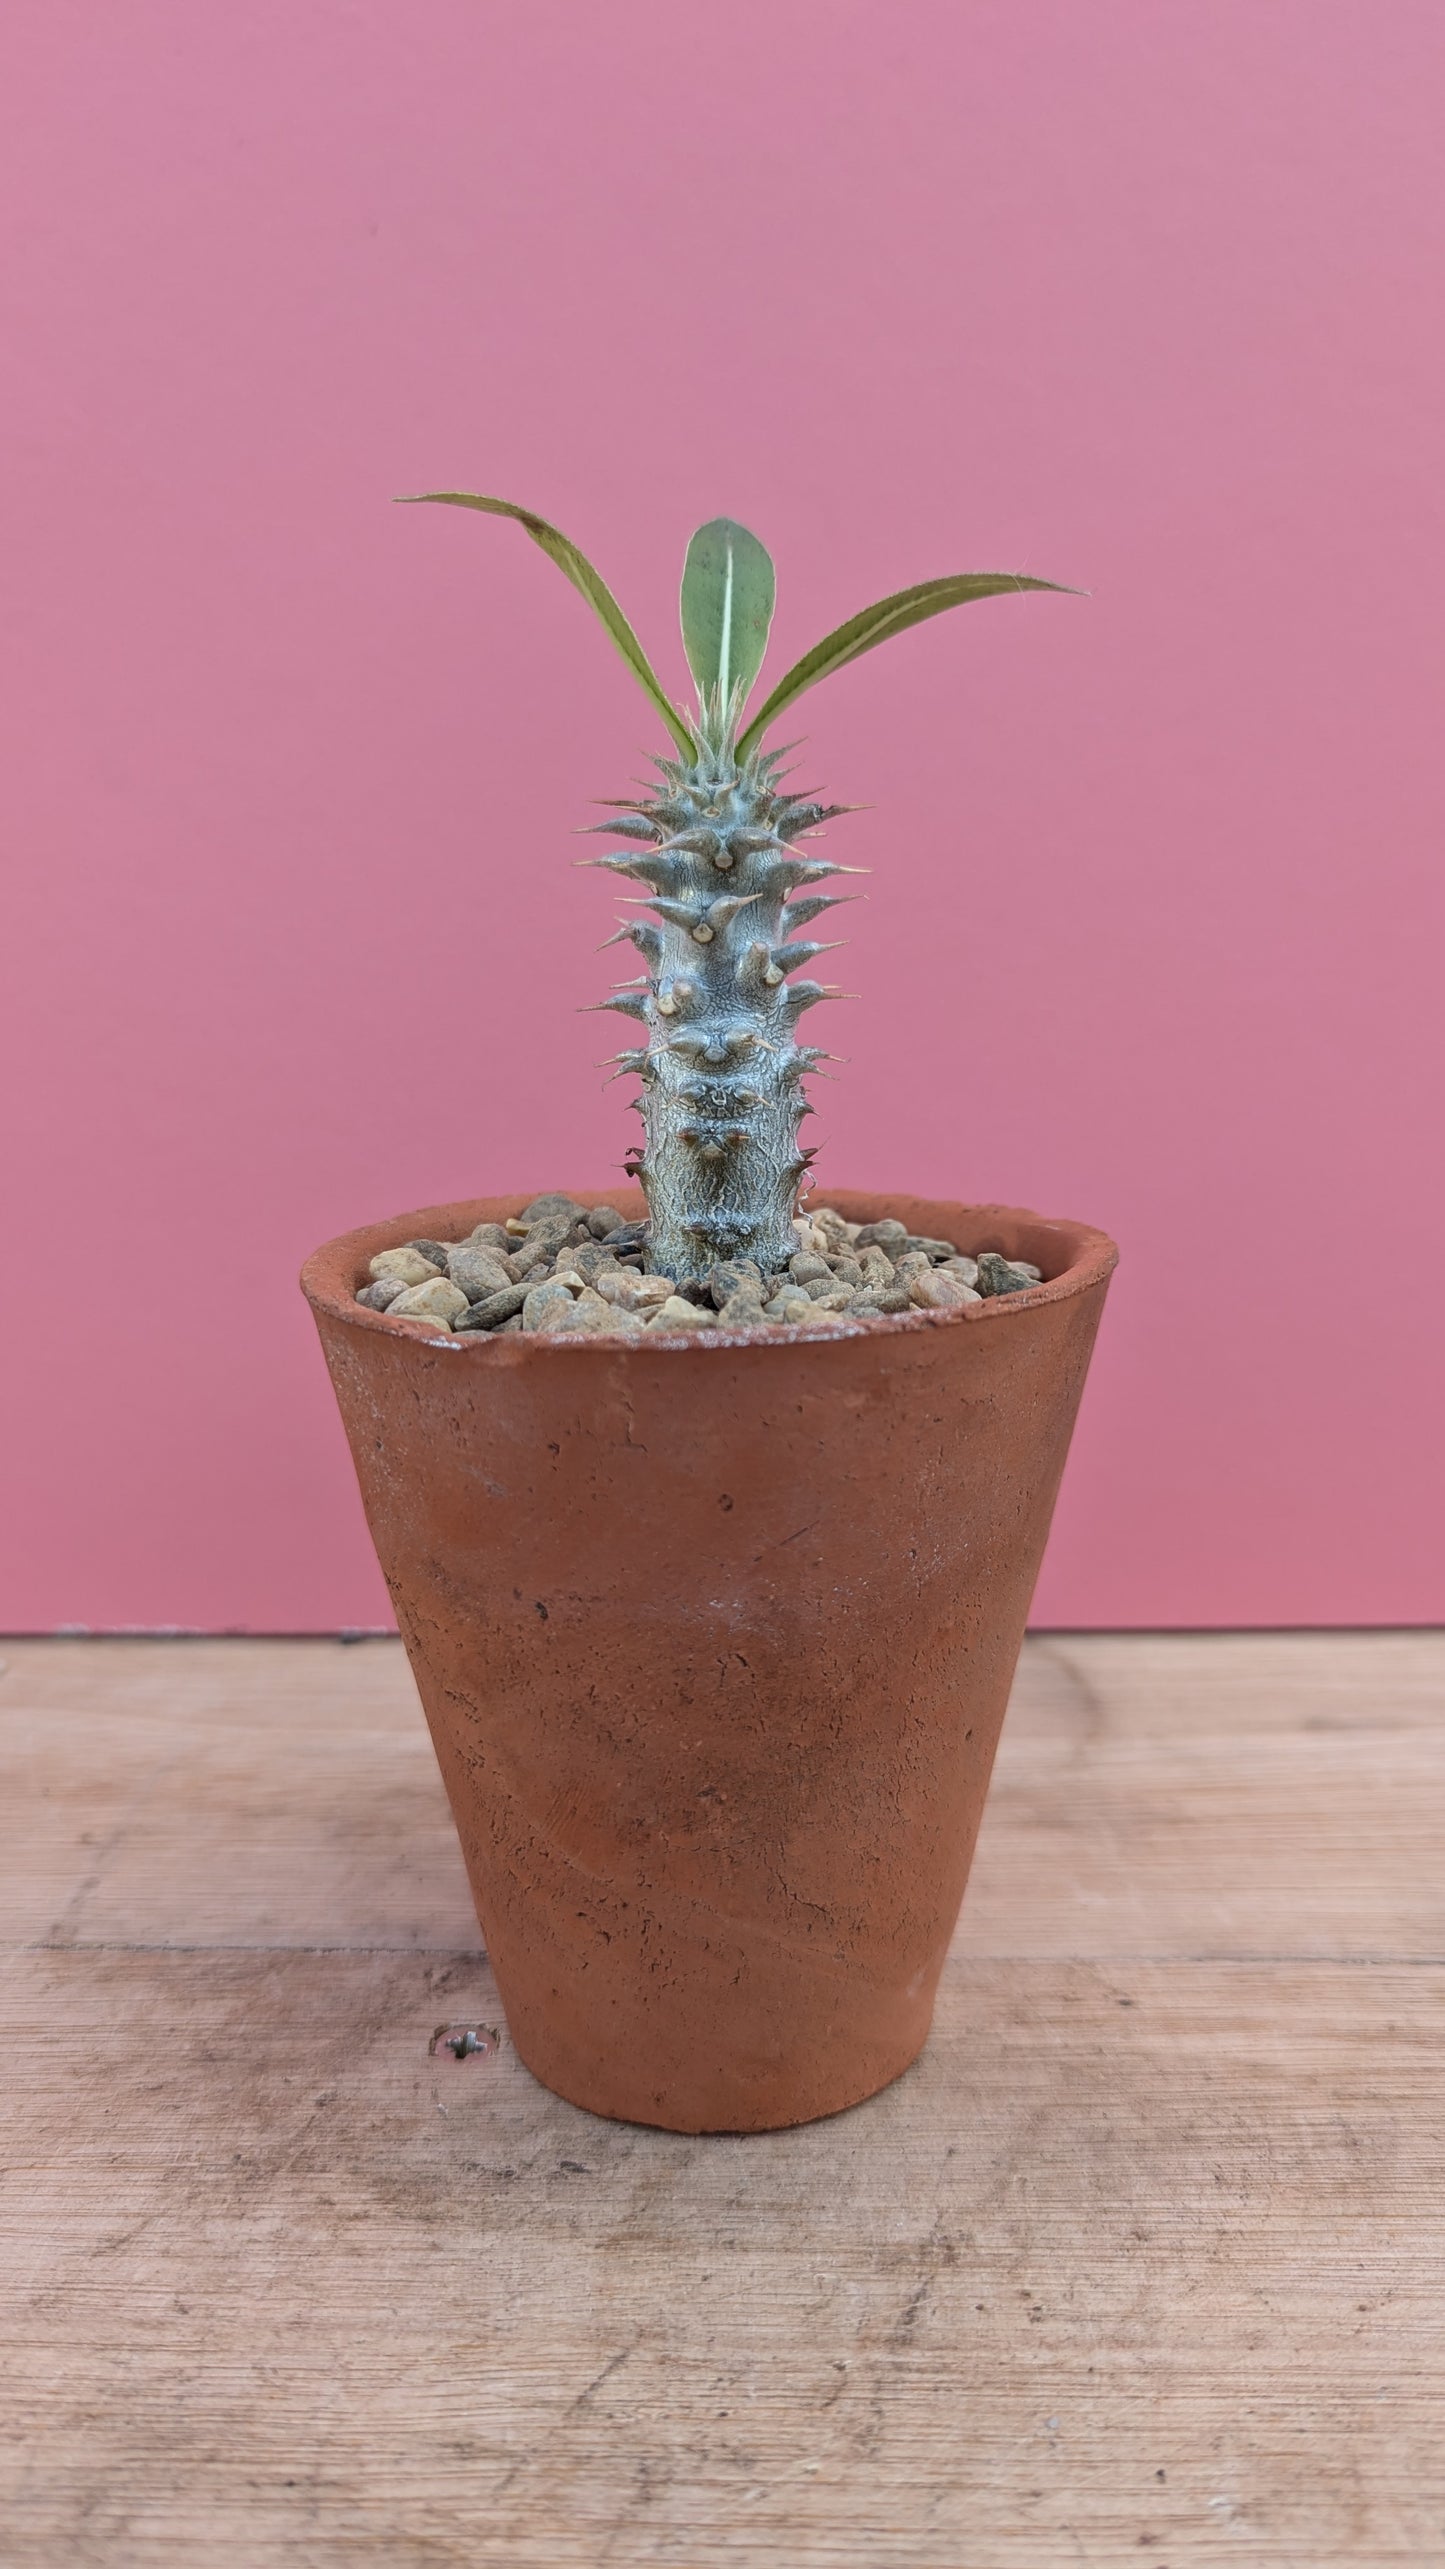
{"x": 715, "y": 1637}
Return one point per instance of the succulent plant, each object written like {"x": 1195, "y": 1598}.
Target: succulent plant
{"x": 720, "y": 849}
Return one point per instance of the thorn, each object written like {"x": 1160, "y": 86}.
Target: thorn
{"x": 635, "y": 826}
{"x": 691, "y": 843}
{"x": 636, "y": 1064}
{"x": 629, "y": 1003}
{"x": 683, "y": 914}
{"x": 798, "y": 913}
{"x": 722, "y": 913}
{"x": 650, "y": 868}
{"x": 790, "y": 956}
{"x": 792, "y": 872}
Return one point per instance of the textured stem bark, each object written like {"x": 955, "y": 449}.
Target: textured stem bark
{"x": 722, "y": 1070}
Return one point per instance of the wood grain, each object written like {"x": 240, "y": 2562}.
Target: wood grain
{"x": 1146, "y": 2259}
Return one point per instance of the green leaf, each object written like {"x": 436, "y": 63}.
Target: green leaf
{"x": 728, "y": 589}
{"x": 575, "y": 566}
{"x": 891, "y": 615}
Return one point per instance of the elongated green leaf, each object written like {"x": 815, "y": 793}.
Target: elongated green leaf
{"x": 891, "y": 615}
{"x": 560, "y": 549}
{"x": 728, "y": 589}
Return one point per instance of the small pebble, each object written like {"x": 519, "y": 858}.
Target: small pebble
{"x": 733, "y": 1276}
{"x": 588, "y": 1258}
{"x": 677, "y": 1314}
{"x": 620, "y": 1323}
{"x": 966, "y": 1269}
{"x": 408, "y": 1264}
{"x": 545, "y": 1304}
{"x": 490, "y": 1235}
{"x": 439, "y": 1300}
{"x": 935, "y": 1291}
{"x": 545, "y": 1207}
{"x": 602, "y": 1219}
{"x": 498, "y": 1311}
{"x": 478, "y": 1271}
{"x": 591, "y": 1309}
{"x": 875, "y": 1266}
{"x": 628, "y": 1291}
{"x": 437, "y": 1251}
{"x": 553, "y": 1233}
{"x": 934, "y": 1249}
{"x": 566, "y": 1324}
{"x": 809, "y": 1268}
{"x": 789, "y": 1309}
{"x": 532, "y": 1257}
{"x": 619, "y": 1288}
{"x": 742, "y": 1310}
{"x": 887, "y": 1234}
{"x": 381, "y": 1295}
{"x": 998, "y": 1275}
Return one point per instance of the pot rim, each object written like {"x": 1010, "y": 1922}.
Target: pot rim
{"x": 331, "y": 1274}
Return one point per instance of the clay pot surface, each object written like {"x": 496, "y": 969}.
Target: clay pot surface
{"x": 714, "y": 1637}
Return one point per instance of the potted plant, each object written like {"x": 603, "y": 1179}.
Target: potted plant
{"x": 712, "y": 1516}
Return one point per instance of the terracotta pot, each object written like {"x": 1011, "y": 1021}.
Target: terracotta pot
{"x": 715, "y": 1637}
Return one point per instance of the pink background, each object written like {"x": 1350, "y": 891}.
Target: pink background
{"x": 1145, "y": 298}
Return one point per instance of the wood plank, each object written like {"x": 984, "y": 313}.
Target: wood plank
{"x": 284, "y": 1792}
{"x": 273, "y": 1793}
{"x": 1145, "y": 2259}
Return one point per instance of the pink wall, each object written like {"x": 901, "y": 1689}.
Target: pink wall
{"x": 1142, "y": 297}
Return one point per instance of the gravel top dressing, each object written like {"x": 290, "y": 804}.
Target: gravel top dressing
{"x": 558, "y": 1267}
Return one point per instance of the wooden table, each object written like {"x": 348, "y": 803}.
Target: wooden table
{"x": 1145, "y": 2260}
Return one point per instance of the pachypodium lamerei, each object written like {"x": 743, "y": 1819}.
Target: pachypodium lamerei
{"x": 717, "y": 849}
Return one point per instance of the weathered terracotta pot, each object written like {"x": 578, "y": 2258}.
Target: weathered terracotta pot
{"x": 715, "y": 1637}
